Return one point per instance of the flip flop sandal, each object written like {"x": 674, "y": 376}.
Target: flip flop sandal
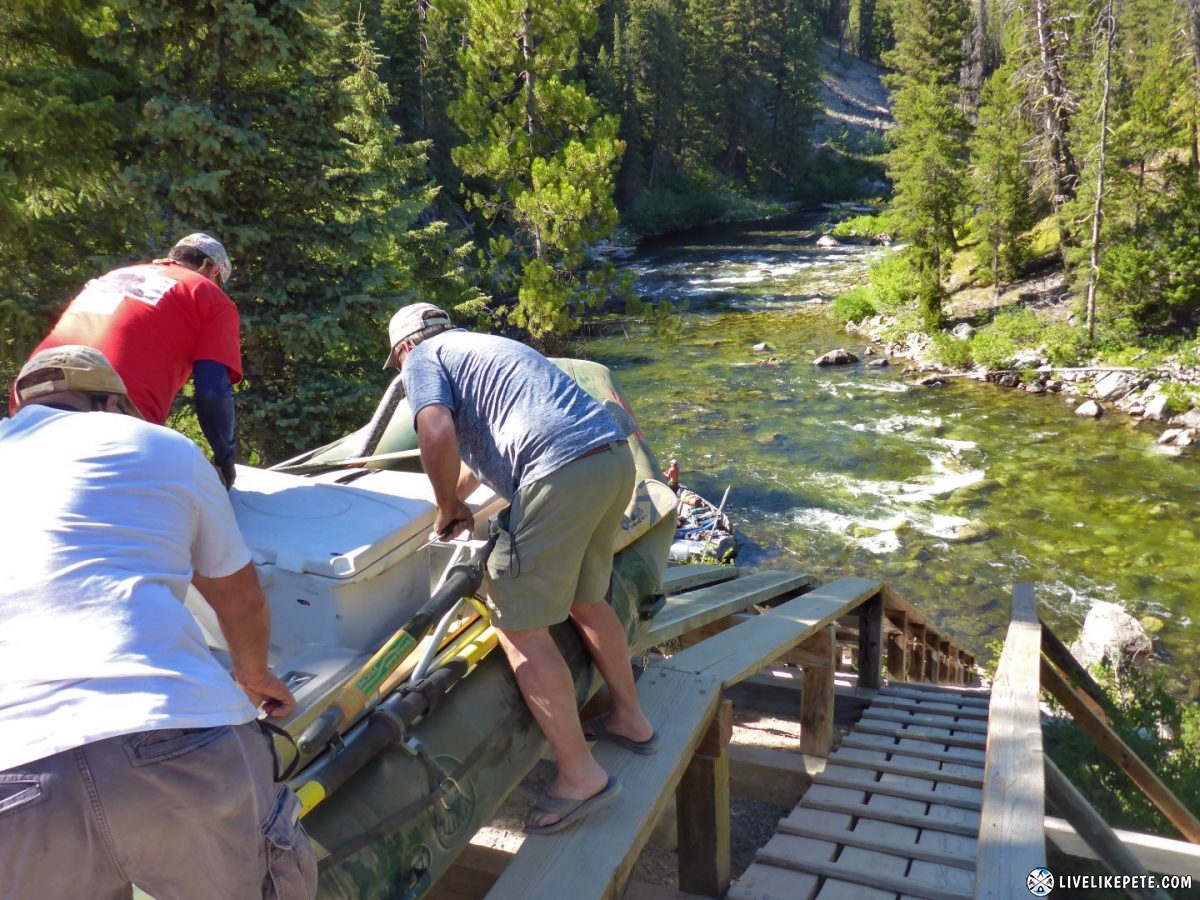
{"x": 571, "y": 811}
{"x": 597, "y": 730}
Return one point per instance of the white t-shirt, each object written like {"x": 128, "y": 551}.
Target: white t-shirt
{"x": 103, "y": 519}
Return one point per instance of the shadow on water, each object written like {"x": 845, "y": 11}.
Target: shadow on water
{"x": 951, "y": 494}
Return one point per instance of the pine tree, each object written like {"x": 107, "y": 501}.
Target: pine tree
{"x": 1001, "y": 182}
{"x": 929, "y": 141}
{"x": 539, "y": 159}
{"x": 62, "y": 111}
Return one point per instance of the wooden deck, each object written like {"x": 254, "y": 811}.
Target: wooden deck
{"x": 895, "y": 813}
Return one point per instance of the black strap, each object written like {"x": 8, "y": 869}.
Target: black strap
{"x": 270, "y": 729}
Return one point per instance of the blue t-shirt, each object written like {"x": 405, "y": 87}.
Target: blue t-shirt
{"x": 518, "y": 416}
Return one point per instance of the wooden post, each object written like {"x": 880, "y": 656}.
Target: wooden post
{"x": 948, "y": 667}
{"x": 1117, "y": 858}
{"x": 816, "y": 698}
{"x": 897, "y": 648}
{"x": 1120, "y": 753}
{"x": 870, "y": 643}
{"x": 916, "y": 653}
{"x": 703, "y": 810}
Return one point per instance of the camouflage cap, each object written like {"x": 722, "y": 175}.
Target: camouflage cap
{"x": 79, "y": 368}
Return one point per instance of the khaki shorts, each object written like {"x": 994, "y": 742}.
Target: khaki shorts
{"x": 181, "y": 813}
{"x": 556, "y": 547}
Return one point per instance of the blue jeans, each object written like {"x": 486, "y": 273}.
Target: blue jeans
{"x": 181, "y": 813}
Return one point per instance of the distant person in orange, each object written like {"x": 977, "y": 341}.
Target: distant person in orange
{"x": 160, "y": 323}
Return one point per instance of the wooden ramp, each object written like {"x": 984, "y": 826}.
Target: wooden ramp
{"x": 894, "y": 814}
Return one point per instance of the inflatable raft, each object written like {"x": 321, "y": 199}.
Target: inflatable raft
{"x": 429, "y": 733}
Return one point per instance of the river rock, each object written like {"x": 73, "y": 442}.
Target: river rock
{"x": 932, "y": 381}
{"x": 962, "y": 331}
{"x": 764, "y": 347}
{"x": 878, "y": 363}
{"x": 1114, "y": 384}
{"x": 1156, "y": 408}
{"x": 827, "y": 240}
{"x": 1110, "y": 635}
{"x": 1089, "y": 408}
{"x": 974, "y": 530}
{"x": 839, "y": 357}
{"x": 1190, "y": 419}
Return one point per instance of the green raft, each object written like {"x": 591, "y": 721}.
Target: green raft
{"x": 395, "y": 826}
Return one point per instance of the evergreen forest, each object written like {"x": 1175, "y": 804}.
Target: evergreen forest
{"x": 481, "y": 154}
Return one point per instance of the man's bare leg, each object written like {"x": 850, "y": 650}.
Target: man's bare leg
{"x": 546, "y": 684}
{"x": 605, "y": 640}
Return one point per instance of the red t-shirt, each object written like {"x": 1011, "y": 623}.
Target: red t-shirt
{"x": 153, "y": 321}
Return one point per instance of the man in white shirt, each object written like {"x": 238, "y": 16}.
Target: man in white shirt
{"x": 129, "y": 755}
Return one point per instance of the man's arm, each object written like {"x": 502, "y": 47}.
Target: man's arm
{"x": 444, "y": 466}
{"x": 216, "y": 414}
{"x": 245, "y": 622}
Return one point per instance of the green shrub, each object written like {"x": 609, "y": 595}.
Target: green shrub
{"x": 674, "y": 206}
{"x": 893, "y": 282}
{"x": 853, "y": 306}
{"x": 951, "y": 351}
{"x": 994, "y": 345}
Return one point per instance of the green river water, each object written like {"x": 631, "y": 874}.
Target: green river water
{"x": 951, "y": 494}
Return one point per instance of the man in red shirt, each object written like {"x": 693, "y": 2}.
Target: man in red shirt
{"x": 161, "y": 322}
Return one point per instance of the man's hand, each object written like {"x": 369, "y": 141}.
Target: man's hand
{"x": 454, "y": 519}
{"x": 270, "y": 694}
{"x": 227, "y": 472}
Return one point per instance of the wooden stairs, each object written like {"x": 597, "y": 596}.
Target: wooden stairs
{"x": 895, "y": 812}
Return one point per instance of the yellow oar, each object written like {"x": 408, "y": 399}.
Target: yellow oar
{"x": 463, "y": 580}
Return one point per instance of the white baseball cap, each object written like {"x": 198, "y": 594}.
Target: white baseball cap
{"x": 409, "y": 320}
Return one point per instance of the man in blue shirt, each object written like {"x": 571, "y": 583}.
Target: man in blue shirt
{"x": 491, "y": 409}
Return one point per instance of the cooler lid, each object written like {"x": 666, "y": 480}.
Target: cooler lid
{"x": 335, "y": 530}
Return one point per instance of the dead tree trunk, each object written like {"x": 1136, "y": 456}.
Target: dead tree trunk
{"x": 1109, "y": 24}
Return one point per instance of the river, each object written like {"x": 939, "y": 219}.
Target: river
{"x": 951, "y": 494}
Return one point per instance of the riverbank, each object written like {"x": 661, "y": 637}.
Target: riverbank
{"x": 1162, "y": 396}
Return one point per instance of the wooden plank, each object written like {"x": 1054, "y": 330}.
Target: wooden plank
{"x": 684, "y": 578}
{"x": 917, "y": 750}
{"x": 1088, "y": 823}
{"x": 934, "y": 719}
{"x": 977, "y": 698}
{"x": 1011, "y": 838}
{"x": 860, "y": 878}
{"x": 596, "y": 856}
{"x": 889, "y": 789}
{"x": 933, "y": 706}
{"x": 703, "y": 811}
{"x": 891, "y": 769}
{"x": 816, "y": 701}
{"x": 1121, "y": 754}
{"x": 896, "y": 818}
{"x": 744, "y": 649}
{"x": 1158, "y": 854}
{"x": 929, "y": 735}
{"x": 855, "y": 839}
{"x": 689, "y": 611}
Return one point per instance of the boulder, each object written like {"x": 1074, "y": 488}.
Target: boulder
{"x": 1110, "y": 635}
{"x": 764, "y": 347}
{"x": 826, "y": 240}
{"x": 1157, "y": 408}
{"x": 962, "y": 331}
{"x": 879, "y": 363}
{"x": 1089, "y": 408}
{"x": 1114, "y": 384}
{"x": 839, "y": 357}
{"x": 1190, "y": 419}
